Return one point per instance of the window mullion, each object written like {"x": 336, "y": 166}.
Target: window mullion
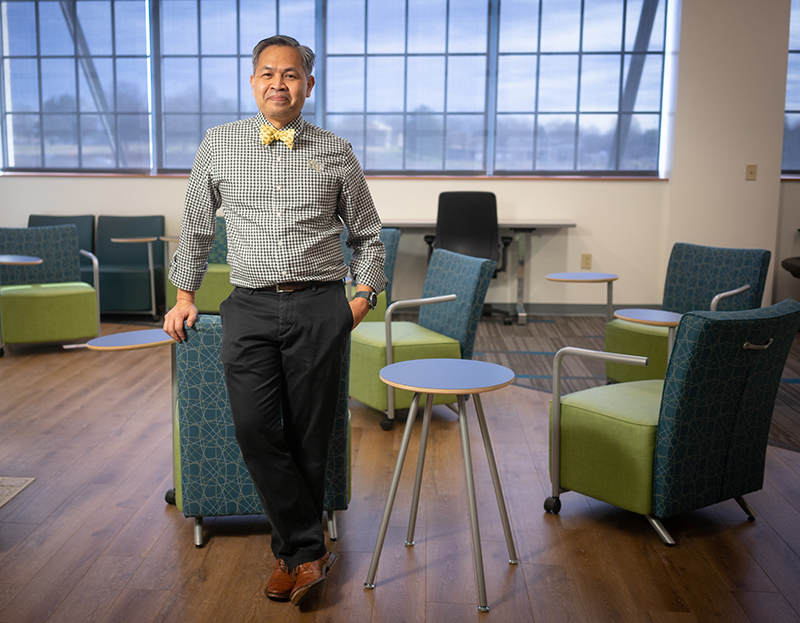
{"x": 491, "y": 86}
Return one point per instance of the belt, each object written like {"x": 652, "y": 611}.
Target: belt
{"x": 292, "y": 286}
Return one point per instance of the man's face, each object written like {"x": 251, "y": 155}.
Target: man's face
{"x": 280, "y": 85}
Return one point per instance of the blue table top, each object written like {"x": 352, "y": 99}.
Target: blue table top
{"x": 447, "y": 376}
{"x": 582, "y": 277}
{"x": 656, "y": 317}
{"x": 19, "y": 260}
{"x": 130, "y": 340}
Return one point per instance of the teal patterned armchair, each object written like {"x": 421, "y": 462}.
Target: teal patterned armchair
{"x": 390, "y": 237}
{"x": 85, "y": 225}
{"x": 450, "y": 308}
{"x": 698, "y": 278}
{"x": 210, "y": 476}
{"x": 47, "y": 302}
{"x": 697, "y": 438}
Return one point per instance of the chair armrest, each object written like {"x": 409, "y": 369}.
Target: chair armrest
{"x": 96, "y": 281}
{"x": 555, "y": 437}
{"x": 724, "y": 295}
{"x": 408, "y": 303}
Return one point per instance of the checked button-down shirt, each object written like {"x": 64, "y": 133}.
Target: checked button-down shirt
{"x": 283, "y": 208}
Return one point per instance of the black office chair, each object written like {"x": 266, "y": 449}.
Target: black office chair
{"x": 466, "y": 223}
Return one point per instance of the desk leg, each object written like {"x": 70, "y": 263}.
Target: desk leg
{"x": 522, "y": 240}
{"x": 387, "y": 511}
{"x": 610, "y": 298}
{"x": 670, "y": 341}
{"x": 477, "y": 553}
{"x": 423, "y": 446}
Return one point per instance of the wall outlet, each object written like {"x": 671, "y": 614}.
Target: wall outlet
{"x": 750, "y": 172}
{"x": 586, "y": 260}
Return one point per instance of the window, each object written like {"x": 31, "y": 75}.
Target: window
{"x": 791, "y": 124}
{"x": 462, "y": 87}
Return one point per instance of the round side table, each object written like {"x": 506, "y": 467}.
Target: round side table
{"x": 607, "y": 278}
{"x": 656, "y": 318}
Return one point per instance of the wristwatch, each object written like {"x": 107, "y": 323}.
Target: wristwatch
{"x": 371, "y": 297}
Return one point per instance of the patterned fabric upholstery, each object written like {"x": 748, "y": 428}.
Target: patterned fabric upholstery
{"x": 213, "y": 478}
{"x": 717, "y": 405}
{"x": 390, "y": 237}
{"x": 57, "y": 245}
{"x": 85, "y": 225}
{"x": 219, "y": 250}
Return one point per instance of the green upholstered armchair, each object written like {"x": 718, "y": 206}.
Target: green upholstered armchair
{"x": 450, "y": 308}
{"x": 131, "y": 273}
{"x": 210, "y": 476}
{"x": 47, "y": 302}
{"x": 699, "y": 437}
{"x": 217, "y": 284}
{"x": 390, "y": 237}
{"x": 85, "y": 225}
{"x": 698, "y": 278}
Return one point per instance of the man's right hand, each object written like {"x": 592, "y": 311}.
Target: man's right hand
{"x": 184, "y": 311}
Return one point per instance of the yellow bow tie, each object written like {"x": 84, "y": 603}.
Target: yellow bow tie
{"x": 269, "y": 134}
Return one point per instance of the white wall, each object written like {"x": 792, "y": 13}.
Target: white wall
{"x": 729, "y": 112}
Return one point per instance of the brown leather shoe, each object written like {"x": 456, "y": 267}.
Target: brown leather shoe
{"x": 309, "y": 575}
{"x": 281, "y": 582}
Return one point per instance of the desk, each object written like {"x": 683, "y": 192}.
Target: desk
{"x": 458, "y": 377}
{"x": 15, "y": 260}
{"x": 607, "y": 278}
{"x": 523, "y": 230}
{"x": 655, "y": 317}
{"x": 150, "y": 265}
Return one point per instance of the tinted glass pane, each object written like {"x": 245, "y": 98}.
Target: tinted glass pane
{"x": 60, "y": 141}
{"x": 180, "y": 82}
{"x": 212, "y": 121}
{"x": 132, "y": 85}
{"x": 385, "y": 83}
{"x": 519, "y": 25}
{"x": 794, "y": 26}
{"x": 346, "y": 26}
{"x": 425, "y": 88}
{"x": 596, "y": 142}
{"x": 345, "y": 85}
{"x": 21, "y": 31}
{"x": 181, "y": 138}
{"x": 98, "y": 134}
{"x": 466, "y": 83}
{"x": 55, "y": 37}
{"x": 97, "y": 95}
{"x": 247, "y": 101}
{"x": 555, "y": 143}
{"x": 634, "y": 22}
{"x": 468, "y": 30}
{"x": 297, "y": 20}
{"x": 640, "y": 151}
{"x": 427, "y": 26}
{"x": 178, "y": 27}
{"x": 424, "y": 142}
{"x": 648, "y": 96}
{"x": 602, "y": 25}
{"x": 24, "y": 136}
{"x": 386, "y": 27}
{"x": 58, "y": 85}
{"x": 217, "y": 27}
{"x": 351, "y": 128}
{"x": 793, "y": 83}
{"x": 134, "y": 138}
{"x": 465, "y": 141}
{"x": 220, "y": 89}
{"x": 600, "y": 83}
{"x": 22, "y": 85}
{"x": 560, "y": 25}
{"x": 558, "y": 83}
{"x": 95, "y": 22}
{"x": 130, "y": 27}
{"x": 516, "y": 83}
{"x": 384, "y": 142}
{"x": 257, "y": 20}
{"x": 791, "y": 142}
{"x": 514, "y": 144}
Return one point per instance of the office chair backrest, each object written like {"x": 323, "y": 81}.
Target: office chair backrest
{"x": 390, "y": 237}
{"x": 109, "y": 227}
{"x": 466, "y": 223}
{"x": 56, "y": 245}
{"x": 84, "y": 223}
{"x": 717, "y": 404}
{"x": 697, "y": 273}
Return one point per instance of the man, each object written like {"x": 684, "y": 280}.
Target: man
{"x": 285, "y": 196}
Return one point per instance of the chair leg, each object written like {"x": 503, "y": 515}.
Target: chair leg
{"x": 198, "y": 532}
{"x": 751, "y": 514}
{"x": 662, "y": 531}
{"x": 333, "y": 529}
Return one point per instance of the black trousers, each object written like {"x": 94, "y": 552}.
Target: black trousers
{"x": 282, "y": 355}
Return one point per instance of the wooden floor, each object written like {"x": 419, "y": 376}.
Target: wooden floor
{"x": 92, "y": 539}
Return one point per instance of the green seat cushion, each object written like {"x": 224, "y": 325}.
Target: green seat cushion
{"x": 48, "y": 312}
{"x": 608, "y": 438}
{"x": 409, "y": 341}
{"x": 216, "y": 288}
{"x": 631, "y": 338}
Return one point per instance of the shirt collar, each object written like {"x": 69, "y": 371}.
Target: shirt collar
{"x": 296, "y": 124}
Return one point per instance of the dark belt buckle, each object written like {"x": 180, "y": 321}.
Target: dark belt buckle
{"x": 288, "y": 287}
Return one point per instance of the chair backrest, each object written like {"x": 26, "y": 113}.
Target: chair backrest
{"x": 696, "y": 274}
{"x": 109, "y": 227}
{"x": 390, "y": 237}
{"x": 219, "y": 250}
{"x": 57, "y": 245}
{"x": 717, "y": 405}
{"x": 466, "y": 277}
{"x": 209, "y": 455}
{"x": 84, "y": 223}
{"x": 466, "y": 223}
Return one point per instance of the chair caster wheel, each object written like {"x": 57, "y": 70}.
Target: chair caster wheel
{"x": 169, "y": 497}
{"x": 386, "y": 423}
{"x": 552, "y": 505}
